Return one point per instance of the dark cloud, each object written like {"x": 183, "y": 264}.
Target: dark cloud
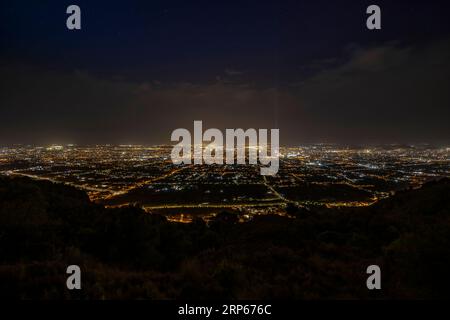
{"x": 388, "y": 93}
{"x": 42, "y": 106}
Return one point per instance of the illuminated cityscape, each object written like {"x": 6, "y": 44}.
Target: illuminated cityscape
{"x": 309, "y": 176}
{"x": 224, "y": 155}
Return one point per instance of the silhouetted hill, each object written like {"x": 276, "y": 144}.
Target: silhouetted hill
{"x": 127, "y": 253}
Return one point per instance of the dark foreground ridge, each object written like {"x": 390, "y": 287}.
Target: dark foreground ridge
{"x": 125, "y": 253}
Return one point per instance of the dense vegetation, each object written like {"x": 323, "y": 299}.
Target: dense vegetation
{"x": 126, "y": 253}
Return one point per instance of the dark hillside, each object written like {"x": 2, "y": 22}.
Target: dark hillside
{"x": 126, "y": 253}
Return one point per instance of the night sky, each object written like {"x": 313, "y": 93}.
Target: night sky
{"x": 137, "y": 70}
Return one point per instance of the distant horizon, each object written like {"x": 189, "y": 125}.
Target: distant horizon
{"x": 354, "y": 145}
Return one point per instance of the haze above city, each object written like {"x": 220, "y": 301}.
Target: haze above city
{"x": 136, "y": 72}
